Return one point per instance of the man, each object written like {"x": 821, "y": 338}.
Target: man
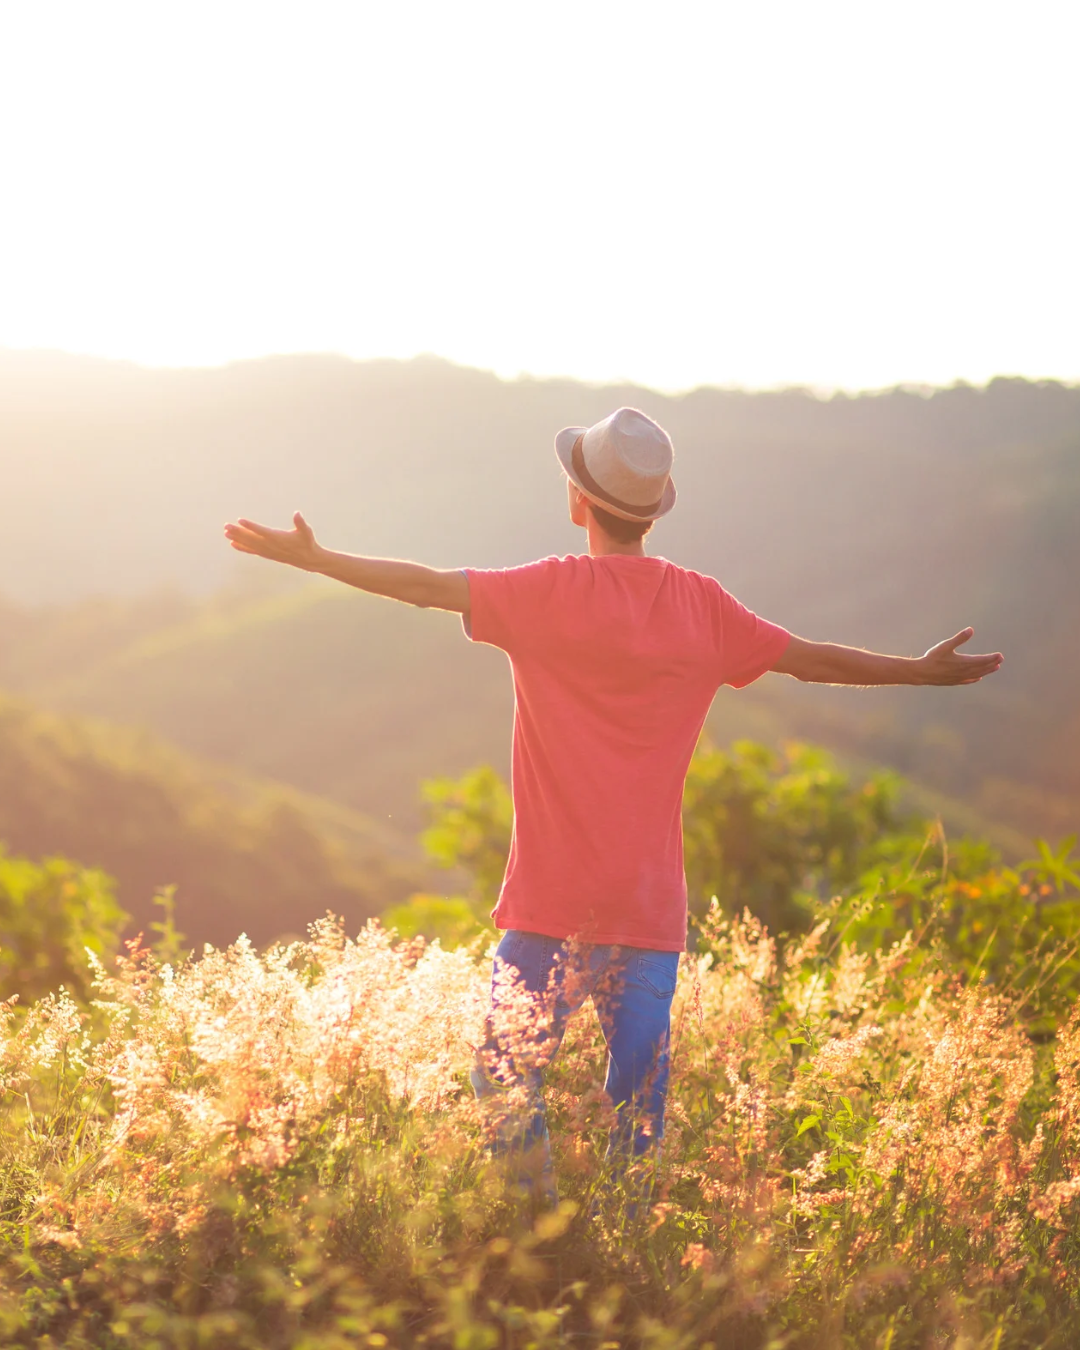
{"x": 616, "y": 657}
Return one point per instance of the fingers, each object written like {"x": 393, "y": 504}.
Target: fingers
{"x": 972, "y": 669}
{"x": 246, "y": 541}
{"x": 976, "y": 669}
{"x": 245, "y": 535}
{"x": 256, "y": 528}
{"x": 267, "y": 532}
{"x": 965, "y": 635}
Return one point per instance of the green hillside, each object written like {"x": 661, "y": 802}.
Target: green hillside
{"x": 358, "y": 700}
{"x": 337, "y": 693}
{"x": 244, "y": 855}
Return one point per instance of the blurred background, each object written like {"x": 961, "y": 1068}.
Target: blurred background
{"x": 365, "y": 261}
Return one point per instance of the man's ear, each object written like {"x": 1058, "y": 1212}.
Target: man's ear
{"x": 578, "y": 503}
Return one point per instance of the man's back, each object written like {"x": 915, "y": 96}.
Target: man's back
{"x": 616, "y": 660}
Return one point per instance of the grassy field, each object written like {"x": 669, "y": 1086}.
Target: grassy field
{"x": 873, "y": 1140}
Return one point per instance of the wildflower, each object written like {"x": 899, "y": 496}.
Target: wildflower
{"x": 698, "y": 1257}
{"x": 1058, "y": 1196}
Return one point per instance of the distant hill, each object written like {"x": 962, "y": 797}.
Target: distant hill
{"x": 886, "y": 520}
{"x": 340, "y": 694}
{"x": 245, "y": 855}
{"x": 357, "y": 699}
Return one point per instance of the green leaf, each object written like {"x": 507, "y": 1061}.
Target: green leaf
{"x": 797, "y": 1040}
{"x": 807, "y": 1124}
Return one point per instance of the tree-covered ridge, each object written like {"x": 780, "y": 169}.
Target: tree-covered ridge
{"x": 244, "y": 855}
{"x": 886, "y": 520}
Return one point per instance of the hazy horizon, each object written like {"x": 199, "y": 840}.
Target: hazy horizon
{"x": 819, "y": 391}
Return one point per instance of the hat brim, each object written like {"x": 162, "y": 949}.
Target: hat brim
{"x": 564, "y": 452}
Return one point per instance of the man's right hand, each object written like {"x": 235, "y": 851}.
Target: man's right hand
{"x": 296, "y": 547}
{"x": 943, "y": 664}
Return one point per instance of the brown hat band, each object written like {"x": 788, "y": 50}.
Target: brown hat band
{"x": 589, "y": 483}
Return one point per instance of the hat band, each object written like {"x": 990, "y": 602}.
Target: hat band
{"x": 591, "y": 486}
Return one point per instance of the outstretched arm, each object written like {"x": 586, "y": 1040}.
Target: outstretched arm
{"x": 428, "y": 587}
{"x": 826, "y": 663}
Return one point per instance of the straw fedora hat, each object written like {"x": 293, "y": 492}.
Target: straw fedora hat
{"x": 623, "y": 464}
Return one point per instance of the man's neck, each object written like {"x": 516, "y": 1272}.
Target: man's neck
{"x": 601, "y": 545}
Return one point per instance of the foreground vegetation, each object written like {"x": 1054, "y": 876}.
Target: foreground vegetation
{"x": 873, "y": 1134}
{"x": 281, "y": 1150}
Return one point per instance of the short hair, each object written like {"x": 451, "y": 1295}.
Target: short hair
{"x": 621, "y": 530}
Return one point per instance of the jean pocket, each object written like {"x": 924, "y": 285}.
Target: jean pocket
{"x": 511, "y": 945}
{"x": 658, "y": 975}
{"x": 529, "y": 956}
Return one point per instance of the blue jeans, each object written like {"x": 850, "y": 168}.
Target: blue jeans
{"x": 631, "y": 989}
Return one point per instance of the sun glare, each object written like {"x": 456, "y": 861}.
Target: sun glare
{"x": 842, "y": 195}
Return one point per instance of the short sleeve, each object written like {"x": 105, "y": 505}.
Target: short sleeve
{"x": 507, "y": 607}
{"x": 750, "y": 645}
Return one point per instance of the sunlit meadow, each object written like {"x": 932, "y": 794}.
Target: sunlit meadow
{"x": 868, "y": 1145}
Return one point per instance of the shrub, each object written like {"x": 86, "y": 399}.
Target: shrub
{"x": 50, "y": 914}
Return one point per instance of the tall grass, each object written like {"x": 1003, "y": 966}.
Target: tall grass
{"x": 864, "y": 1148}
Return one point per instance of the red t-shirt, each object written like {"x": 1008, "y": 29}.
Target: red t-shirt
{"x": 616, "y": 661}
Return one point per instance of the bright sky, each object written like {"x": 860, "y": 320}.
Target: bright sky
{"x": 834, "y": 194}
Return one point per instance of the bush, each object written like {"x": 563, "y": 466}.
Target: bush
{"x": 471, "y": 820}
{"x": 448, "y": 919}
{"x": 51, "y": 913}
{"x": 769, "y": 831}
